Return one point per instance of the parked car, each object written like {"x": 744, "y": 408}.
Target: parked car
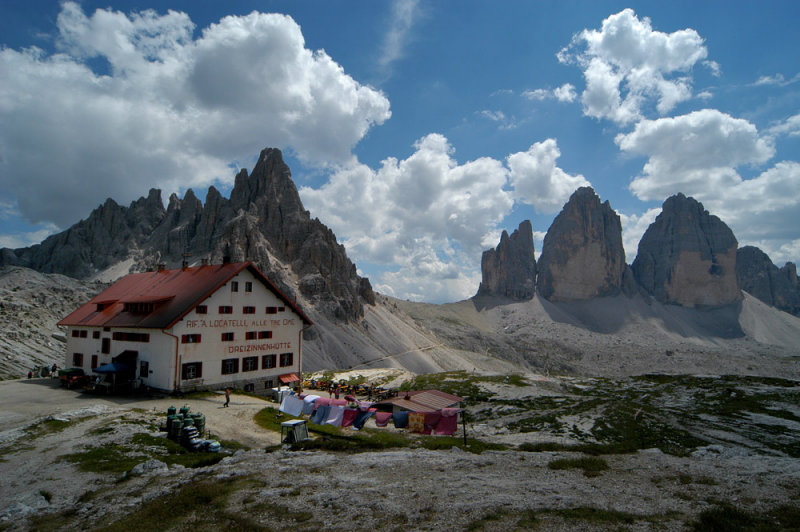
{"x": 73, "y": 378}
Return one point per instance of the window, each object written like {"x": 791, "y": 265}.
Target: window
{"x": 272, "y": 310}
{"x": 249, "y": 310}
{"x": 267, "y": 362}
{"x": 105, "y": 346}
{"x": 223, "y": 309}
{"x": 248, "y": 286}
{"x": 250, "y": 335}
{"x": 227, "y": 337}
{"x": 77, "y": 359}
{"x": 94, "y": 361}
{"x": 250, "y": 387}
{"x": 230, "y": 365}
{"x": 249, "y": 363}
{"x": 286, "y": 359}
{"x": 234, "y": 286}
{"x": 95, "y": 334}
{"x": 131, "y": 337}
{"x": 191, "y": 338}
{"x": 201, "y": 309}
{"x": 268, "y": 383}
{"x": 79, "y": 334}
{"x": 192, "y": 370}
{"x": 144, "y": 369}
{"x": 264, "y": 334}
{"x": 138, "y": 308}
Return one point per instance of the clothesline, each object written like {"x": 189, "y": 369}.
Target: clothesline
{"x": 326, "y": 411}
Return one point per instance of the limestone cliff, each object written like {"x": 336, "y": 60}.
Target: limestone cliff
{"x": 582, "y": 255}
{"x": 688, "y": 256}
{"x": 758, "y": 276}
{"x": 510, "y": 269}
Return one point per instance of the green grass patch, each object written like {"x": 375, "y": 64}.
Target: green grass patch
{"x": 171, "y": 452}
{"x": 66, "y": 520}
{"x": 117, "y": 459}
{"x": 591, "y": 465}
{"x": 46, "y": 426}
{"x": 726, "y": 517}
{"x": 204, "y": 504}
{"x": 110, "y": 458}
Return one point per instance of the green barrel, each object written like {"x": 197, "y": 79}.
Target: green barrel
{"x": 175, "y": 429}
{"x": 188, "y": 421}
{"x": 185, "y": 410}
{"x": 170, "y": 420}
{"x": 171, "y": 411}
{"x": 199, "y": 422}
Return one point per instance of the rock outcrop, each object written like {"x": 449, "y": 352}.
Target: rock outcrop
{"x": 510, "y": 269}
{"x": 758, "y": 276}
{"x": 263, "y": 221}
{"x": 688, "y": 256}
{"x": 582, "y": 255}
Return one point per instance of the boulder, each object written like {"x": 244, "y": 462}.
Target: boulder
{"x": 510, "y": 269}
{"x": 582, "y": 255}
{"x": 688, "y": 257}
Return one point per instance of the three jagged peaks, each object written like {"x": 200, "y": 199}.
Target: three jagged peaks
{"x": 686, "y": 257}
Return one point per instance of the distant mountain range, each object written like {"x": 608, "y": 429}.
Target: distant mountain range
{"x": 263, "y": 221}
{"x": 579, "y": 309}
{"x": 687, "y": 257}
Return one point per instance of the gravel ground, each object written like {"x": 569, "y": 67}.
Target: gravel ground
{"x": 411, "y": 488}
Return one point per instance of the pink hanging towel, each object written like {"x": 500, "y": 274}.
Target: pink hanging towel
{"x": 324, "y": 401}
{"x": 449, "y": 423}
{"x": 382, "y": 418}
{"x": 349, "y": 416}
{"x": 431, "y": 420}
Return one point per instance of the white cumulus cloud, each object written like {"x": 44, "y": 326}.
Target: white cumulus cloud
{"x": 426, "y": 214}
{"x": 696, "y": 153}
{"x": 700, "y": 154}
{"x": 538, "y": 181}
{"x": 627, "y": 64}
{"x": 171, "y": 110}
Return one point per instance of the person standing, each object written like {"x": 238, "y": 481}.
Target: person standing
{"x": 227, "y": 397}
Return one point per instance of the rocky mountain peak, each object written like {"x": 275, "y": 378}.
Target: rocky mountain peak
{"x": 263, "y": 221}
{"x": 582, "y": 254}
{"x": 758, "y": 276}
{"x": 688, "y": 256}
{"x": 510, "y": 269}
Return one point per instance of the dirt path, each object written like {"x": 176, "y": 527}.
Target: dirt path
{"x": 25, "y": 401}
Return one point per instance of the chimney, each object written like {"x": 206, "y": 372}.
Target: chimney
{"x": 161, "y": 267}
{"x": 226, "y": 259}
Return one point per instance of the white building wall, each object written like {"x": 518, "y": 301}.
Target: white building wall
{"x": 153, "y": 351}
{"x": 284, "y": 326}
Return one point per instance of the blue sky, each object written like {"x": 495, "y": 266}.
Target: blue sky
{"x": 417, "y": 131}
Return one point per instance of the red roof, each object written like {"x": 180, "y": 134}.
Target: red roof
{"x": 173, "y": 293}
{"x": 423, "y": 400}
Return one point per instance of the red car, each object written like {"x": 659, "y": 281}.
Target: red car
{"x": 73, "y": 377}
